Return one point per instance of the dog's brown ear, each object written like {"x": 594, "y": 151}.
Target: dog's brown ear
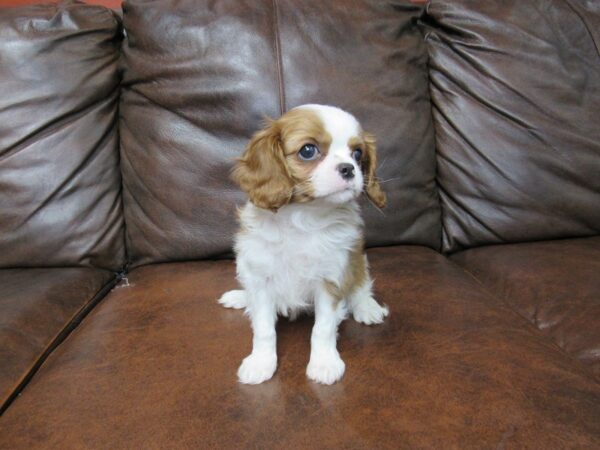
{"x": 369, "y": 164}
{"x": 262, "y": 171}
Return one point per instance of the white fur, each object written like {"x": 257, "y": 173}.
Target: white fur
{"x": 364, "y": 307}
{"x": 326, "y": 181}
{"x": 284, "y": 257}
{"x": 235, "y": 299}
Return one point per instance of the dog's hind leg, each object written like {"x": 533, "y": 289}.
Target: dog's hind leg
{"x": 234, "y": 299}
{"x": 364, "y": 307}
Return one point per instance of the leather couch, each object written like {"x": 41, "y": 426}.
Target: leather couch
{"x": 117, "y": 132}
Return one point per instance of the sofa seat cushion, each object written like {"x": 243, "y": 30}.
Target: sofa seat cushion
{"x": 38, "y": 307}
{"x": 154, "y": 366}
{"x": 553, "y": 284}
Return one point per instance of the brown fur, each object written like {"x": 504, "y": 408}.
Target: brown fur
{"x": 299, "y": 128}
{"x": 368, "y": 167}
{"x": 262, "y": 173}
{"x": 355, "y": 275}
{"x": 271, "y": 172}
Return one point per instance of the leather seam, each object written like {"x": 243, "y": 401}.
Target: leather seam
{"x": 531, "y": 324}
{"x": 58, "y": 339}
{"x": 585, "y": 25}
{"x": 278, "y": 57}
{"x": 421, "y": 28}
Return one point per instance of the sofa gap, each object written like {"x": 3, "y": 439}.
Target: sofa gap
{"x": 60, "y": 337}
{"x": 551, "y": 341}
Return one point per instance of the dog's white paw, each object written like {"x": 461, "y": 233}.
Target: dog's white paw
{"x": 369, "y": 312}
{"x": 325, "y": 369}
{"x": 234, "y": 299}
{"x": 257, "y": 368}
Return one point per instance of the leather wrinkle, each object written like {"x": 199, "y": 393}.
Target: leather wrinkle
{"x": 168, "y": 109}
{"x": 152, "y": 194}
{"x": 115, "y": 216}
{"x": 510, "y": 182}
{"x": 447, "y": 192}
{"x": 456, "y": 198}
{"x": 585, "y": 24}
{"x": 133, "y": 172}
{"x": 482, "y": 99}
{"x": 77, "y": 170}
{"x": 491, "y": 163}
{"x": 60, "y": 114}
{"x": 536, "y": 125}
{"x": 468, "y": 211}
{"x": 54, "y": 125}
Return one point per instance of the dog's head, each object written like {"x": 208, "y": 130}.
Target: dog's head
{"x": 311, "y": 152}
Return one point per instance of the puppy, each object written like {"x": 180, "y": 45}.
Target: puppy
{"x": 300, "y": 244}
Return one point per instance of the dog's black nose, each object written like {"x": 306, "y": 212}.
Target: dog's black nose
{"x": 346, "y": 170}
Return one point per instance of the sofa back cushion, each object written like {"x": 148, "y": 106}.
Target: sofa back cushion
{"x": 59, "y": 175}
{"x": 199, "y": 78}
{"x": 516, "y": 92}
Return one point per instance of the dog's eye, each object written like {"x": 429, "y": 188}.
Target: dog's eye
{"x": 308, "y": 152}
{"x": 357, "y": 154}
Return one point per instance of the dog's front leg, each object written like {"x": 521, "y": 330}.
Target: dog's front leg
{"x": 260, "y": 365}
{"x": 325, "y": 365}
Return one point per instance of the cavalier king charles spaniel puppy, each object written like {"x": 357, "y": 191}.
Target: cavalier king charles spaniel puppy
{"x": 300, "y": 245}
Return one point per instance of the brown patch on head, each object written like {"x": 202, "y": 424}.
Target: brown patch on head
{"x": 355, "y": 143}
{"x": 299, "y": 127}
{"x": 368, "y": 164}
{"x": 262, "y": 172}
{"x": 270, "y": 170}
{"x": 354, "y": 276}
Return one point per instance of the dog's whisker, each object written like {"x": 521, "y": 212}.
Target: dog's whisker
{"x": 388, "y": 180}
{"x": 376, "y": 207}
{"x": 382, "y": 163}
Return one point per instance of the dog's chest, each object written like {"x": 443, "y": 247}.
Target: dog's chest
{"x": 295, "y": 250}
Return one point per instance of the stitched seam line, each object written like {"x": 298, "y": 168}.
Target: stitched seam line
{"x": 277, "y": 44}
{"x": 585, "y": 24}
{"x": 548, "y": 339}
{"x": 58, "y": 339}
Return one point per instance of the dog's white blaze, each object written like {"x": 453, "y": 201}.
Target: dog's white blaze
{"x": 326, "y": 179}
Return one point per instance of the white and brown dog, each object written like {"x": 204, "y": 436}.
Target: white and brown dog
{"x": 300, "y": 246}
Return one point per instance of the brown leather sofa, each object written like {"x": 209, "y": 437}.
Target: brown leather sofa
{"x": 117, "y": 216}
